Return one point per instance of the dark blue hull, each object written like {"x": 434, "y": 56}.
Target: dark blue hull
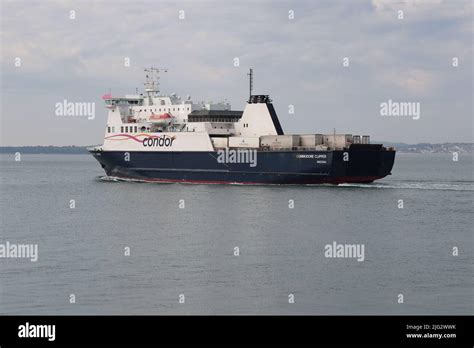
{"x": 363, "y": 164}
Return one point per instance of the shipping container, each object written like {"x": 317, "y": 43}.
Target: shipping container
{"x": 311, "y": 140}
{"x": 338, "y": 140}
{"x": 281, "y": 141}
{"x": 245, "y": 142}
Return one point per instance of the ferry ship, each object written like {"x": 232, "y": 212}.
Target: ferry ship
{"x": 167, "y": 138}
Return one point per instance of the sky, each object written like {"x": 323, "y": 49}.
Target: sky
{"x": 296, "y": 48}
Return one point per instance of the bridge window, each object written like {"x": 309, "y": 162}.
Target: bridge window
{"x": 108, "y": 129}
{"x": 121, "y": 129}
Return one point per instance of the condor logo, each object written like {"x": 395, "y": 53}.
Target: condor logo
{"x": 158, "y": 141}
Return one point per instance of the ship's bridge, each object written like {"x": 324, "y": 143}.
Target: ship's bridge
{"x": 111, "y": 102}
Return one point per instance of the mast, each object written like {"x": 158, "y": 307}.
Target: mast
{"x": 152, "y": 80}
{"x": 250, "y": 74}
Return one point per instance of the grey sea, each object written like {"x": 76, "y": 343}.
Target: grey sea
{"x": 115, "y": 247}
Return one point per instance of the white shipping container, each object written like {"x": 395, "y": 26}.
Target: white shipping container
{"x": 285, "y": 141}
{"x": 219, "y": 142}
{"x": 246, "y": 142}
{"x": 338, "y": 140}
{"x": 311, "y": 139}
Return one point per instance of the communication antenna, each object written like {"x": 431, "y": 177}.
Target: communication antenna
{"x": 250, "y": 74}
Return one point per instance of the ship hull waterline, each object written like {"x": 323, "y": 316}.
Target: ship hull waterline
{"x": 270, "y": 167}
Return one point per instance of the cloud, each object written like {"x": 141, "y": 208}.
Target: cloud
{"x": 413, "y": 81}
{"x": 390, "y": 5}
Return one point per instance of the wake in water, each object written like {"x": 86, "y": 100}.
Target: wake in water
{"x": 117, "y": 179}
{"x": 406, "y": 185}
{"x": 418, "y": 185}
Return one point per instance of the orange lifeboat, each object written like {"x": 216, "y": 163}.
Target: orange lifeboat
{"x": 163, "y": 119}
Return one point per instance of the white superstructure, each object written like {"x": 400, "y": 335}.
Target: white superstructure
{"x": 155, "y": 122}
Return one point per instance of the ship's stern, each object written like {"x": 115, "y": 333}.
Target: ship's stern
{"x": 362, "y": 163}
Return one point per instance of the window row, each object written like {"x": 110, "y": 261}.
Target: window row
{"x": 133, "y": 129}
{"x": 128, "y": 129}
{"x": 164, "y": 109}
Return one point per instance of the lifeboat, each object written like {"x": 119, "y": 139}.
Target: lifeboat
{"x": 163, "y": 119}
